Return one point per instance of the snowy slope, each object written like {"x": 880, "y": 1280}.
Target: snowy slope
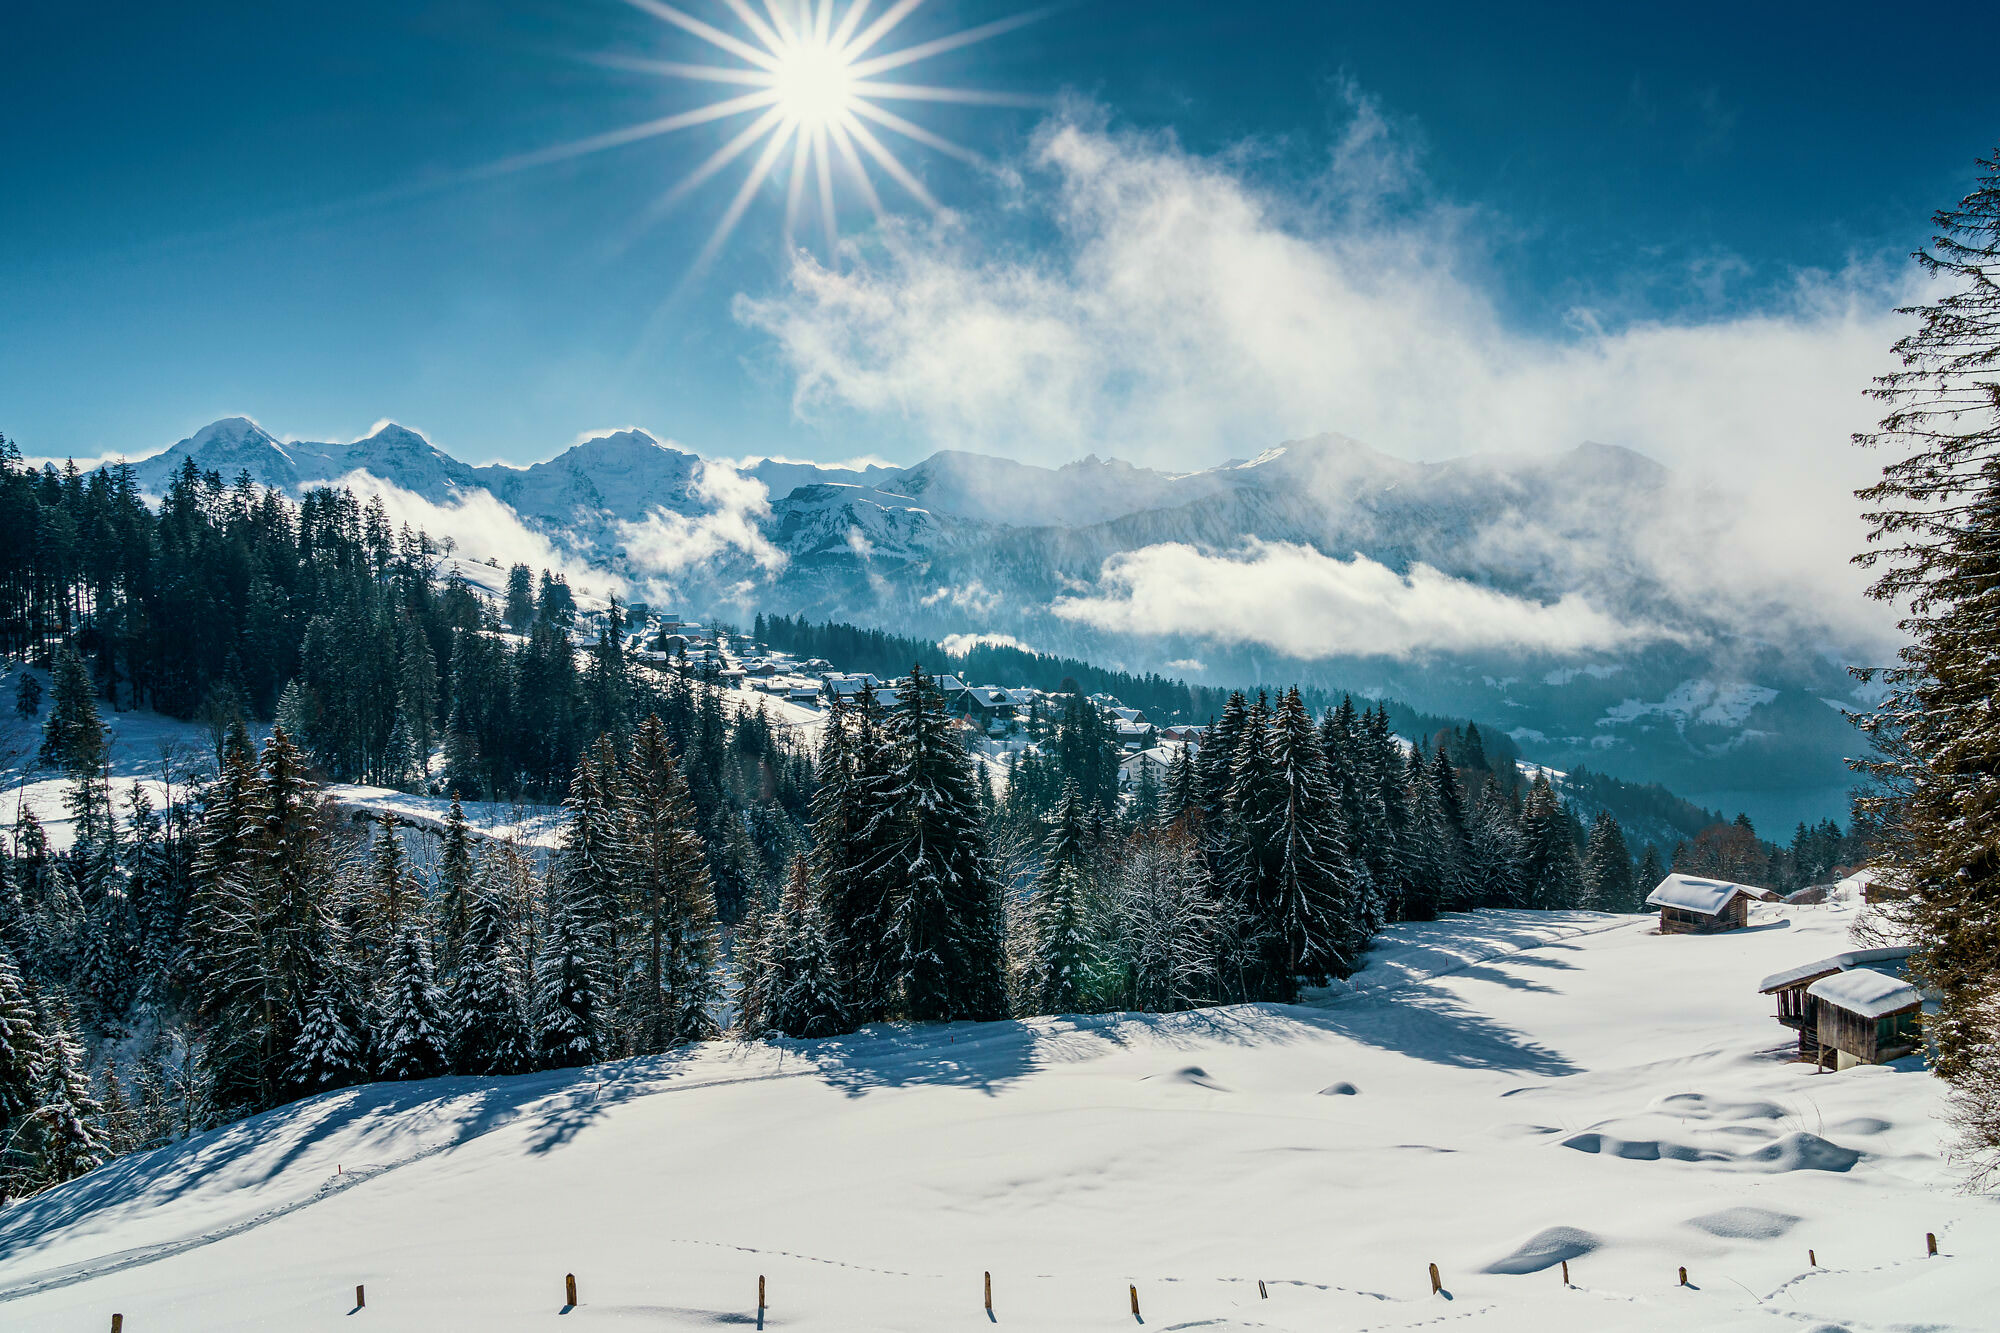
{"x": 1492, "y": 1094}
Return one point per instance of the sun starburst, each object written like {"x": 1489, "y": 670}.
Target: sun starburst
{"x": 808, "y": 76}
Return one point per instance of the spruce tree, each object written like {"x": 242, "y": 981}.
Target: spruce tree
{"x": 945, "y": 925}
{"x": 73, "y": 739}
{"x": 803, "y": 994}
{"x": 66, "y": 1129}
{"x": 411, "y": 1036}
{"x": 750, "y": 955}
{"x": 331, "y": 1049}
{"x": 1646, "y": 878}
{"x": 1311, "y": 891}
{"x": 21, "y": 1050}
{"x": 1607, "y": 867}
{"x": 1935, "y": 545}
{"x": 567, "y": 985}
{"x": 1550, "y": 867}
{"x": 1063, "y": 973}
{"x": 489, "y": 1032}
{"x": 675, "y": 930}
{"x": 454, "y": 886}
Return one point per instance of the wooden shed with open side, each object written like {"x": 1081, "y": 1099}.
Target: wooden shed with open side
{"x": 1799, "y": 1010}
{"x": 1866, "y": 1017}
{"x": 1690, "y": 905}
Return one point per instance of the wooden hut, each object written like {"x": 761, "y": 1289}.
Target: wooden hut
{"x": 1799, "y": 1010}
{"x": 1866, "y": 1017}
{"x": 1693, "y": 906}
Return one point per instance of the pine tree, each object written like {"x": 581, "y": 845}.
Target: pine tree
{"x": 1550, "y": 866}
{"x": 749, "y": 953}
{"x": 1495, "y": 854}
{"x": 411, "y": 1036}
{"x": 454, "y": 886}
{"x": 567, "y": 984}
{"x": 520, "y": 609}
{"x": 1607, "y": 867}
{"x": 331, "y": 1049}
{"x": 1167, "y": 935}
{"x": 391, "y": 899}
{"x": 21, "y": 1050}
{"x": 73, "y": 739}
{"x": 847, "y": 819}
{"x": 675, "y": 929}
{"x": 66, "y": 1127}
{"x": 1063, "y": 972}
{"x": 945, "y": 925}
{"x": 489, "y": 1033}
{"x": 1311, "y": 892}
{"x": 803, "y": 995}
{"x": 1935, "y": 542}
{"x": 1646, "y": 878}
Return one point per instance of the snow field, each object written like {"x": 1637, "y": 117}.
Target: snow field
{"x": 1493, "y": 1093}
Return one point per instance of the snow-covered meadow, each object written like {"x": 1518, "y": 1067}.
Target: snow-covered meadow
{"x": 1493, "y": 1093}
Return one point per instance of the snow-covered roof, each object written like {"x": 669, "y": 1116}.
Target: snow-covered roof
{"x": 1706, "y": 896}
{"x": 1864, "y": 991}
{"x": 1840, "y": 962}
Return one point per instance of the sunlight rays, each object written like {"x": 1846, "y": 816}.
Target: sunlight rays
{"x": 806, "y": 80}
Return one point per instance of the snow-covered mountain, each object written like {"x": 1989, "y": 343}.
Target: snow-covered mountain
{"x": 1729, "y": 704}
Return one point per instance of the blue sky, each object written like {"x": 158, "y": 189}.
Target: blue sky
{"x": 265, "y": 209}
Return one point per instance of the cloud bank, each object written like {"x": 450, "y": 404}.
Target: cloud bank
{"x": 1298, "y": 601}
{"x": 1183, "y": 313}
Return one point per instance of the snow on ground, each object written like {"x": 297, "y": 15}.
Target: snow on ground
{"x": 1493, "y": 1093}
{"x": 143, "y": 744}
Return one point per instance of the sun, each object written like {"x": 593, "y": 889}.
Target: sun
{"x": 807, "y": 77}
{"x": 815, "y": 84}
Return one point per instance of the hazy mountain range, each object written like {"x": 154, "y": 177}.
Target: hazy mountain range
{"x": 1584, "y": 601}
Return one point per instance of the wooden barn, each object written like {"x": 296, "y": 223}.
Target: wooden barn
{"x": 1799, "y": 1010}
{"x": 1866, "y": 1017}
{"x": 1693, "y": 906}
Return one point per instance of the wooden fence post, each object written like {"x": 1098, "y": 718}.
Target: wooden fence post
{"x": 1684, "y": 1277}
{"x": 1930, "y": 1241}
{"x": 1565, "y": 1272}
{"x": 1437, "y": 1283}
{"x": 1262, "y": 1294}
{"x": 569, "y": 1287}
{"x": 760, "y": 1293}
{"x": 360, "y": 1296}
{"x": 118, "y": 1323}
{"x": 1812, "y": 1260}
{"x": 989, "y": 1293}
{"x": 1135, "y": 1302}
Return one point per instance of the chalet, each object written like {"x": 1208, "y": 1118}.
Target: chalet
{"x": 1866, "y": 1017}
{"x": 803, "y": 694}
{"x": 989, "y": 703}
{"x": 1132, "y": 736}
{"x": 1692, "y": 906}
{"x": 1798, "y": 1009}
{"x": 1133, "y": 767}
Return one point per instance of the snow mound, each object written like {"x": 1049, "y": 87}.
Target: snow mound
{"x": 1545, "y": 1249}
{"x": 1806, "y": 1152}
{"x": 1745, "y": 1223}
{"x": 1341, "y": 1089}
{"x": 1863, "y": 1124}
{"x": 1798, "y": 1151}
{"x": 1190, "y": 1076}
{"x": 1701, "y": 1106}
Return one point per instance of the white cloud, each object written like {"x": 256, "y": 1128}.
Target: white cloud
{"x": 482, "y": 527}
{"x": 667, "y": 543}
{"x": 1185, "y": 664}
{"x": 973, "y": 596}
{"x": 1184, "y": 313}
{"x": 958, "y": 645}
{"x": 1299, "y": 601}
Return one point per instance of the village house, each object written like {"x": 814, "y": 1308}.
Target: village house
{"x": 1133, "y": 767}
{"x": 1693, "y": 906}
{"x": 1866, "y": 1017}
{"x": 1798, "y": 1008}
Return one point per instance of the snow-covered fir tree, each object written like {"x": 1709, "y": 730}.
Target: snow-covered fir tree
{"x": 802, "y": 992}
{"x": 1063, "y": 974}
{"x": 673, "y": 930}
{"x": 567, "y": 985}
{"x": 945, "y": 925}
{"x": 332, "y": 1048}
{"x": 489, "y": 1033}
{"x": 411, "y": 1037}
